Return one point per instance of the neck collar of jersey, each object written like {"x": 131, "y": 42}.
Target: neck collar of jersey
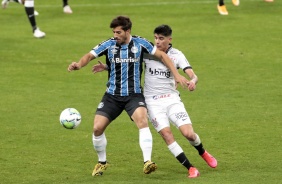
{"x": 169, "y": 47}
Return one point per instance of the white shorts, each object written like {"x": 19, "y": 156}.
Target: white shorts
{"x": 166, "y": 109}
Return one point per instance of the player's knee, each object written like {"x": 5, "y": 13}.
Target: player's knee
{"x": 98, "y": 130}
{"x": 167, "y": 136}
{"x": 190, "y": 135}
{"x": 141, "y": 122}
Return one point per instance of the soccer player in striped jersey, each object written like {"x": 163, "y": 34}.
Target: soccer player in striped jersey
{"x": 29, "y": 9}
{"x": 164, "y": 104}
{"x": 124, "y": 56}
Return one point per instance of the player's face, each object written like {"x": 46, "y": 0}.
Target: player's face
{"x": 162, "y": 42}
{"x": 121, "y": 36}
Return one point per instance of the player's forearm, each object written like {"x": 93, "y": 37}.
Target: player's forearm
{"x": 193, "y": 77}
{"x": 85, "y": 59}
{"x": 166, "y": 60}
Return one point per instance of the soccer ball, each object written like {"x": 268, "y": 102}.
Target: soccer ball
{"x": 70, "y": 118}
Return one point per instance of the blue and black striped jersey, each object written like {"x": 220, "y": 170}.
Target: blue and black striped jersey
{"x": 125, "y": 64}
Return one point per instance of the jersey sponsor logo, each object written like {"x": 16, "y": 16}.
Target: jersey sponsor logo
{"x": 181, "y": 115}
{"x": 126, "y": 60}
{"x": 156, "y": 97}
{"x": 159, "y": 72}
{"x": 114, "y": 49}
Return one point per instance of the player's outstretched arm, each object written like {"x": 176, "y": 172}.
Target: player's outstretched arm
{"x": 82, "y": 62}
{"x": 193, "y": 79}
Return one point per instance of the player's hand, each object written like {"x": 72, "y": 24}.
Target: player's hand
{"x": 191, "y": 85}
{"x": 98, "y": 67}
{"x": 182, "y": 80}
{"x": 74, "y": 66}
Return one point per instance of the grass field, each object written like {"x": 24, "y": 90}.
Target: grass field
{"x": 236, "y": 108}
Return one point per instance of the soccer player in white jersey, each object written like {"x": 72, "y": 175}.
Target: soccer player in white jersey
{"x": 164, "y": 103}
{"x": 29, "y": 9}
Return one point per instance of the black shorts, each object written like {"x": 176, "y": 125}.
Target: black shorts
{"x": 111, "y": 106}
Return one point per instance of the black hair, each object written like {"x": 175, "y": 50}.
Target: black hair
{"x": 122, "y": 21}
{"x": 164, "y": 30}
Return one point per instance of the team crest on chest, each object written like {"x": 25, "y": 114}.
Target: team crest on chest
{"x": 134, "y": 49}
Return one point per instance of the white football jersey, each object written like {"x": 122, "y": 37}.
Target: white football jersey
{"x": 158, "y": 78}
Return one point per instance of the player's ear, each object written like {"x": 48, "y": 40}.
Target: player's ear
{"x": 128, "y": 31}
{"x": 170, "y": 38}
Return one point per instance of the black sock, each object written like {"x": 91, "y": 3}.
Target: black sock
{"x": 184, "y": 160}
{"x": 221, "y": 2}
{"x": 103, "y": 162}
{"x": 30, "y": 14}
{"x": 65, "y": 3}
{"x": 200, "y": 149}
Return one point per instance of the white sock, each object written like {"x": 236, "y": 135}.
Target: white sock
{"x": 146, "y": 143}
{"x": 197, "y": 141}
{"x": 100, "y": 143}
{"x": 29, "y": 3}
{"x": 175, "y": 149}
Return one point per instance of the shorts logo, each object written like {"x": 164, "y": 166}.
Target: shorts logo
{"x": 155, "y": 122}
{"x": 156, "y": 97}
{"x": 181, "y": 115}
{"x": 141, "y": 103}
{"x": 101, "y": 105}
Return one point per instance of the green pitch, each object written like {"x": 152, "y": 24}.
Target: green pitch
{"x": 236, "y": 108}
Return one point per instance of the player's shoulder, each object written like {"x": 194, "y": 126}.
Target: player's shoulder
{"x": 139, "y": 38}
{"x": 108, "y": 41}
{"x": 174, "y": 51}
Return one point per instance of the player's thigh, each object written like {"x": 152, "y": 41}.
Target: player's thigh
{"x": 158, "y": 116}
{"x": 140, "y": 117}
{"x": 109, "y": 107}
{"x": 178, "y": 115}
{"x": 133, "y": 102}
{"x": 137, "y": 110}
